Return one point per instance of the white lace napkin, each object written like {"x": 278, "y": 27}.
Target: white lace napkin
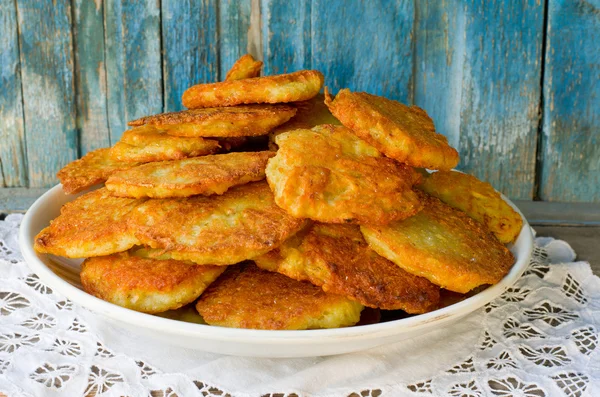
{"x": 538, "y": 339}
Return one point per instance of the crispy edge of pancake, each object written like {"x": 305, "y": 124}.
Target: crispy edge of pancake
{"x": 282, "y": 88}
{"x": 248, "y": 297}
{"x": 206, "y": 175}
{"x": 94, "y": 224}
{"x": 242, "y": 223}
{"x": 338, "y": 259}
{"x": 329, "y": 175}
{"x": 443, "y": 245}
{"x": 246, "y": 67}
{"x": 404, "y": 133}
{"x": 146, "y": 285}
{"x": 92, "y": 169}
{"x": 477, "y": 199}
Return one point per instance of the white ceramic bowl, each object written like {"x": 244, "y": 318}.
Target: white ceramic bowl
{"x": 62, "y": 275}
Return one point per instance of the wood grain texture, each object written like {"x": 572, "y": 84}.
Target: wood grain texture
{"x": 571, "y": 120}
{"x": 13, "y": 161}
{"x": 500, "y": 100}
{"x": 90, "y": 75}
{"x": 133, "y": 62}
{"x": 364, "y": 46}
{"x": 286, "y": 31}
{"x": 48, "y": 93}
{"x": 189, "y": 35}
{"x": 234, "y": 25}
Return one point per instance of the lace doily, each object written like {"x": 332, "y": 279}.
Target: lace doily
{"x": 538, "y": 339}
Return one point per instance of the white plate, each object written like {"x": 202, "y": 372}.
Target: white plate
{"x": 63, "y": 277}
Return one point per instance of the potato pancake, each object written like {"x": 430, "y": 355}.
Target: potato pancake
{"x": 244, "y": 68}
{"x": 444, "y": 245}
{"x": 94, "y": 224}
{"x": 92, "y": 169}
{"x": 329, "y": 175}
{"x": 477, "y": 199}
{"x": 310, "y": 114}
{"x": 146, "y": 285}
{"x": 236, "y": 121}
{"x": 149, "y": 143}
{"x": 338, "y": 259}
{"x": 222, "y": 230}
{"x": 281, "y": 88}
{"x": 204, "y": 175}
{"x": 404, "y": 133}
{"x": 248, "y": 297}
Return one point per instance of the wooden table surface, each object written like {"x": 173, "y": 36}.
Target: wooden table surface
{"x": 585, "y": 240}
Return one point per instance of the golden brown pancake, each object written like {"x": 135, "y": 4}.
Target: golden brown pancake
{"x": 477, "y": 199}
{"x": 337, "y": 258}
{"x": 92, "y": 169}
{"x": 204, "y": 175}
{"x": 404, "y": 133}
{"x": 222, "y": 230}
{"x": 94, "y": 224}
{"x": 329, "y": 175}
{"x": 146, "y": 285}
{"x": 244, "y": 68}
{"x": 281, "y": 88}
{"x": 222, "y": 122}
{"x": 248, "y": 297}
{"x": 444, "y": 245}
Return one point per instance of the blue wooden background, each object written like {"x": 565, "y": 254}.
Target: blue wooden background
{"x": 514, "y": 85}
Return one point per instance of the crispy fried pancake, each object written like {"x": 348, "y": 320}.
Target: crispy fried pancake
{"x": 329, "y": 175}
{"x": 232, "y": 143}
{"x": 404, "y": 133}
{"x": 204, "y": 175}
{"x": 236, "y": 121}
{"x": 94, "y": 224}
{"x": 310, "y": 114}
{"x": 477, "y": 199}
{"x": 150, "y": 143}
{"x": 443, "y": 245}
{"x": 146, "y": 285}
{"x": 244, "y": 68}
{"x": 248, "y": 297}
{"x": 337, "y": 258}
{"x": 222, "y": 230}
{"x": 281, "y": 88}
{"x": 92, "y": 169}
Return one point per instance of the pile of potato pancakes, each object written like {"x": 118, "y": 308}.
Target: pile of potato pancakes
{"x": 267, "y": 205}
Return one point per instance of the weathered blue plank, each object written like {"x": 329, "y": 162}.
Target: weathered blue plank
{"x": 364, "y": 45}
{"x": 133, "y": 62}
{"x": 189, "y": 34}
{"x": 286, "y": 36}
{"x": 500, "y": 98}
{"x": 571, "y": 119}
{"x": 234, "y": 25}
{"x": 47, "y": 79}
{"x": 90, "y": 75}
{"x": 13, "y": 163}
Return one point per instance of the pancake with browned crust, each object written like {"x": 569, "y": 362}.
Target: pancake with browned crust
{"x": 146, "y": 285}
{"x": 248, "y": 297}
{"x": 204, "y": 175}
{"x": 222, "y": 230}
{"x": 235, "y": 121}
{"x": 477, "y": 199}
{"x": 404, "y": 133}
{"x": 150, "y": 143}
{"x": 94, "y": 224}
{"x": 444, "y": 245}
{"x": 92, "y": 169}
{"x": 244, "y": 68}
{"x": 281, "y": 88}
{"x": 338, "y": 259}
{"x": 330, "y": 175}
